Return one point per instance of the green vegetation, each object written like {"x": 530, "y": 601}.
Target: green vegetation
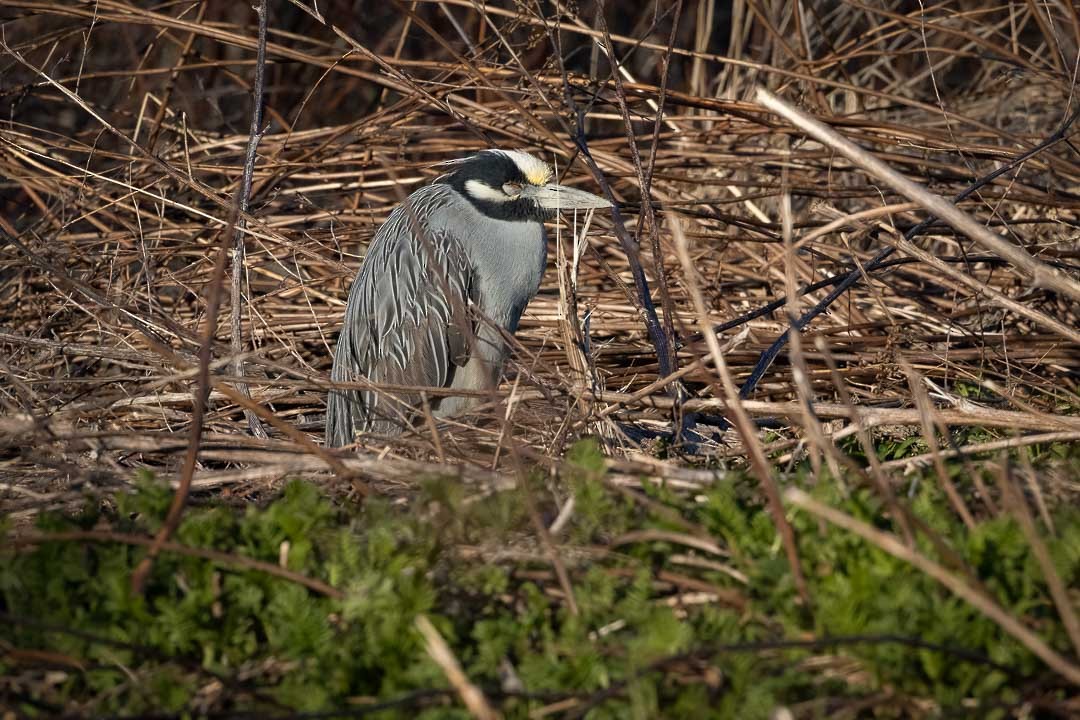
{"x": 657, "y": 635}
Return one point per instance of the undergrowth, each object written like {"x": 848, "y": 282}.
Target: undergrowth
{"x": 655, "y": 635}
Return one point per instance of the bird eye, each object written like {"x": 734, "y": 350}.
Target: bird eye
{"x": 512, "y": 189}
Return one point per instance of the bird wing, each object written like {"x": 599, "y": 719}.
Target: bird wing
{"x": 407, "y": 321}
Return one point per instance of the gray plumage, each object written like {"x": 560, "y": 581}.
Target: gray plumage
{"x": 450, "y": 270}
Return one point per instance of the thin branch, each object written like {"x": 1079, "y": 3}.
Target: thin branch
{"x": 222, "y": 558}
{"x": 671, "y": 362}
{"x": 198, "y": 415}
{"x": 629, "y": 247}
{"x": 243, "y": 197}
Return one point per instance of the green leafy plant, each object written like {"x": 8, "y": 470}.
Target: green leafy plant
{"x": 652, "y": 636}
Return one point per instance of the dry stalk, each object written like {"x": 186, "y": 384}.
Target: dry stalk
{"x": 444, "y": 657}
{"x": 955, "y": 584}
{"x": 929, "y": 431}
{"x": 1041, "y": 274}
{"x": 243, "y": 197}
{"x": 1016, "y": 503}
{"x": 743, "y": 424}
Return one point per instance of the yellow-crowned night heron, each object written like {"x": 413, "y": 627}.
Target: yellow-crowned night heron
{"x": 448, "y": 273}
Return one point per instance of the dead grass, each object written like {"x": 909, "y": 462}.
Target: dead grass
{"x": 123, "y": 141}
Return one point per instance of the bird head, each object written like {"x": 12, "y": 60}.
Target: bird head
{"x": 512, "y": 185}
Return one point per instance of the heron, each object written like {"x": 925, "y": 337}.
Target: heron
{"x": 443, "y": 285}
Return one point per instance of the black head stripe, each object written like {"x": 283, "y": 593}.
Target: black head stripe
{"x": 493, "y": 169}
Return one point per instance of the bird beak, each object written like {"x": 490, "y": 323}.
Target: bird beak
{"x": 560, "y": 197}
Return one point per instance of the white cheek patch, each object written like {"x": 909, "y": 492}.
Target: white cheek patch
{"x": 482, "y": 191}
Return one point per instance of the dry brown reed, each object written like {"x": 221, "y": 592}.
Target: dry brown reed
{"x": 124, "y": 143}
{"x": 120, "y": 170}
